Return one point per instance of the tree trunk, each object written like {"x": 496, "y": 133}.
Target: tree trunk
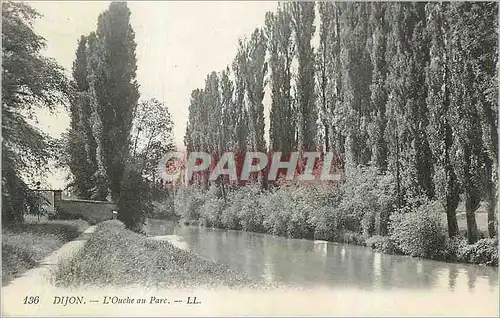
{"x": 451, "y": 218}
{"x": 327, "y": 137}
{"x": 471, "y": 219}
{"x": 471, "y": 202}
{"x": 491, "y": 195}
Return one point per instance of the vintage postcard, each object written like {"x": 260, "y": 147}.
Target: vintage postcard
{"x": 249, "y": 158}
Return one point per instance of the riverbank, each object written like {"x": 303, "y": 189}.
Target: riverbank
{"x": 24, "y": 245}
{"x": 361, "y": 212}
{"x": 115, "y": 256}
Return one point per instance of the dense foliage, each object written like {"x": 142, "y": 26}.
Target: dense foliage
{"x": 30, "y": 82}
{"x": 408, "y": 88}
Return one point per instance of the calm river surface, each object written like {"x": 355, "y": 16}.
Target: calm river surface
{"x": 323, "y": 264}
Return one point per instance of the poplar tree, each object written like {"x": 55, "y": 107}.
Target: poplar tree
{"x": 281, "y": 51}
{"x": 116, "y": 89}
{"x": 438, "y": 100}
{"x": 303, "y": 14}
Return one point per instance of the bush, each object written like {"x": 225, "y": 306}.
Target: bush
{"x": 135, "y": 202}
{"x": 324, "y": 222}
{"x": 484, "y": 251}
{"x": 384, "y": 244}
{"x": 187, "y": 203}
{"x": 163, "y": 210}
{"x": 275, "y": 208}
{"x": 368, "y": 198}
{"x": 418, "y": 231}
{"x": 211, "y": 212}
{"x": 249, "y": 210}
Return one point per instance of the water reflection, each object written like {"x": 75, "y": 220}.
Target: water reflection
{"x": 317, "y": 263}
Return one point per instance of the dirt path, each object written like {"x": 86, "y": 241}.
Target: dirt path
{"x": 35, "y": 281}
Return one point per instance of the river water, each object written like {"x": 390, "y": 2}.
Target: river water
{"x": 320, "y": 264}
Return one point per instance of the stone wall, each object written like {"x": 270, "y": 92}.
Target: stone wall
{"x": 93, "y": 211}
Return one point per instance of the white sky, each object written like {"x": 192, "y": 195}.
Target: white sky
{"x": 178, "y": 44}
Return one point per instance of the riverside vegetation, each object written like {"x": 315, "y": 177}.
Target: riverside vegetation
{"x": 404, "y": 93}
{"x": 361, "y": 211}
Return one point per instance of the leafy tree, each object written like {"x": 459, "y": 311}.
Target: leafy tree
{"x": 255, "y": 69}
{"x": 81, "y": 144}
{"x": 281, "y": 49}
{"x": 438, "y": 101}
{"x": 354, "y": 111}
{"x": 465, "y": 116}
{"x": 30, "y": 82}
{"x": 406, "y": 110}
{"x": 151, "y": 136}
{"x": 240, "y": 110}
{"x": 100, "y": 189}
{"x": 378, "y": 90}
{"x": 303, "y": 14}
{"x": 116, "y": 89}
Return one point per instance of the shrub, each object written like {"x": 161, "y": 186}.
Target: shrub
{"x": 384, "y": 244}
{"x": 456, "y": 248}
{"x": 368, "y": 198}
{"x": 418, "y": 231}
{"x": 324, "y": 222}
{"x": 187, "y": 203}
{"x": 484, "y": 251}
{"x": 163, "y": 210}
{"x": 248, "y": 207}
{"x": 211, "y": 212}
{"x": 350, "y": 237}
{"x": 275, "y": 208}
{"x": 298, "y": 221}
{"x": 134, "y": 203}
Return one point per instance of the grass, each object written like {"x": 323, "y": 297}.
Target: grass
{"x": 116, "y": 256}
{"x": 26, "y": 244}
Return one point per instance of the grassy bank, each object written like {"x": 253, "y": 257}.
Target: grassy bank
{"x": 26, "y": 244}
{"x": 117, "y": 256}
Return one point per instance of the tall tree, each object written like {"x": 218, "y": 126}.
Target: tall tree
{"x": 356, "y": 80}
{"x": 100, "y": 189}
{"x": 438, "y": 101}
{"x": 378, "y": 98}
{"x": 255, "y": 68}
{"x": 406, "y": 110}
{"x": 240, "y": 110}
{"x": 116, "y": 89}
{"x": 30, "y": 82}
{"x": 303, "y": 25}
{"x": 81, "y": 145}
{"x": 486, "y": 76}
{"x": 466, "y": 97}
{"x": 325, "y": 68}
{"x": 281, "y": 51}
